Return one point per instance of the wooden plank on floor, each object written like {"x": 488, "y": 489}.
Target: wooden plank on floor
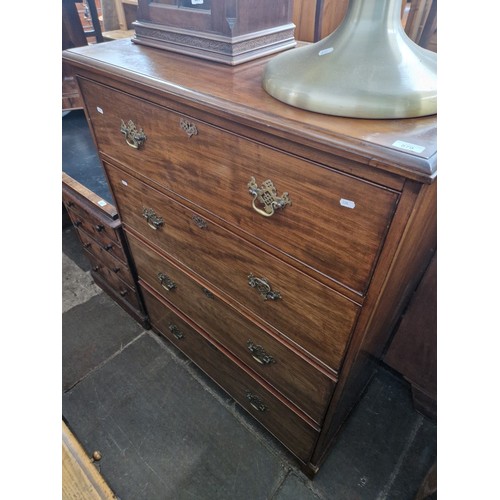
{"x": 80, "y": 478}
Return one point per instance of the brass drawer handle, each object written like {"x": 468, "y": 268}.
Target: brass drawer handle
{"x": 255, "y": 402}
{"x": 166, "y": 282}
{"x": 134, "y": 137}
{"x": 263, "y": 287}
{"x": 266, "y": 195}
{"x": 258, "y": 353}
{"x": 154, "y": 221}
{"x": 175, "y": 331}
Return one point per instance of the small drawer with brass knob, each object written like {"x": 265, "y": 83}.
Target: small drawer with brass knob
{"x": 85, "y": 219}
{"x": 117, "y": 283}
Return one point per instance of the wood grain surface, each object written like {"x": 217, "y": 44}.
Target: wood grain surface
{"x": 80, "y": 478}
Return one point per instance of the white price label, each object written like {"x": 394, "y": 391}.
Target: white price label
{"x": 408, "y": 146}
{"x": 196, "y": 2}
{"x": 347, "y": 203}
{"x": 101, "y": 203}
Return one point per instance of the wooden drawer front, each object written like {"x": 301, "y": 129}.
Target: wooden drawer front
{"x": 279, "y": 418}
{"x": 84, "y": 220}
{"x": 125, "y": 291}
{"x": 107, "y": 258}
{"x": 312, "y": 315}
{"x": 289, "y": 373}
{"x": 336, "y": 223}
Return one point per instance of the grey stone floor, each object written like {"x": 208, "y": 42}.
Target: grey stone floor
{"x": 166, "y": 432}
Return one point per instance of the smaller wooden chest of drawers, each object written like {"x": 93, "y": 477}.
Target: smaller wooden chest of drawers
{"x": 100, "y": 231}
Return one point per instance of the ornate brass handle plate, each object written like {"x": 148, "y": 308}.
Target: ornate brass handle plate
{"x": 267, "y": 197}
{"x": 154, "y": 221}
{"x": 134, "y": 137}
{"x": 258, "y": 353}
{"x": 166, "y": 282}
{"x": 263, "y": 287}
{"x": 255, "y": 402}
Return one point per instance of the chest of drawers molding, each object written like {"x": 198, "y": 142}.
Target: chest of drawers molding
{"x": 287, "y": 242}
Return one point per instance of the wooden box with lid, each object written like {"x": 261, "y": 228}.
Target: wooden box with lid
{"x": 275, "y": 247}
{"x": 226, "y": 31}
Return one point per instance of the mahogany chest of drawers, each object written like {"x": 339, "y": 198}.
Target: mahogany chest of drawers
{"x": 275, "y": 247}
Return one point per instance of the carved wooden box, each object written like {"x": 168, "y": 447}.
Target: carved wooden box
{"x": 226, "y": 31}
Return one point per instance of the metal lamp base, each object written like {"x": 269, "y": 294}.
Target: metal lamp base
{"x": 367, "y": 68}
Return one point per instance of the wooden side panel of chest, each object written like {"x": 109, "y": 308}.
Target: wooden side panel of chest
{"x": 100, "y": 231}
{"x": 302, "y": 233}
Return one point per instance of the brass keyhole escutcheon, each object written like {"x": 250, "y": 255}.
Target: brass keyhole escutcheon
{"x": 199, "y": 221}
{"x": 134, "y": 137}
{"x": 265, "y": 199}
{"x": 188, "y": 127}
{"x": 208, "y": 293}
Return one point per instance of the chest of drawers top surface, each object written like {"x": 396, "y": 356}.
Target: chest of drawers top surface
{"x": 405, "y": 147}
